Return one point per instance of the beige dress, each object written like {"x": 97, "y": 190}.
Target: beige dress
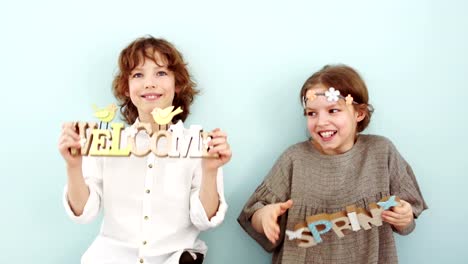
{"x": 318, "y": 183}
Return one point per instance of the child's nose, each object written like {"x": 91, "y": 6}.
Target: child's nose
{"x": 150, "y": 82}
{"x": 322, "y": 119}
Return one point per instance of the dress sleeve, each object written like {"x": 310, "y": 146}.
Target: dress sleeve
{"x": 404, "y": 185}
{"x": 92, "y": 173}
{"x": 274, "y": 189}
{"x": 197, "y": 211}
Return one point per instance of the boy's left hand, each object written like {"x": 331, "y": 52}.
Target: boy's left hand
{"x": 399, "y": 216}
{"x": 218, "y": 144}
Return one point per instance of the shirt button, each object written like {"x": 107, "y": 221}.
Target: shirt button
{"x": 141, "y": 261}
{"x": 150, "y": 166}
{"x": 148, "y": 191}
{"x": 146, "y": 217}
{"x": 144, "y": 242}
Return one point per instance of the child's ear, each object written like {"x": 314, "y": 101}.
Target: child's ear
{"x": 361, "y": 114}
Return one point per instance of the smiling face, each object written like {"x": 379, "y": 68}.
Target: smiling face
{"x": 151, "y": 84}
{"x": 332, "y": 125}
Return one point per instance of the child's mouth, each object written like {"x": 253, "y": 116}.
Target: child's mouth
{"x": 327, "y": 135}
{"x": 151, "y": 96}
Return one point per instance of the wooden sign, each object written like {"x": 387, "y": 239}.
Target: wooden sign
{"x": 309, "y": 233}
{"x": 180, "y": 142}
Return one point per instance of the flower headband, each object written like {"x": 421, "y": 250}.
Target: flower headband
{"x": 332, "y": 96}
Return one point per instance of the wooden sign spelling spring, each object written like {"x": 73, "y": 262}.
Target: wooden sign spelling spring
{"x": 181, "y": 142}
{"x": 308, "y": 233}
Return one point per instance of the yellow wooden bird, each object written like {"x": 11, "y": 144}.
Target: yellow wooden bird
{"x": 105, "y": 114}
{"x": 164, "y": 116}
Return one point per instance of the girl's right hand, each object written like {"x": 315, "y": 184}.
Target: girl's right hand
{"x": 269, "y": 219}
{"x": 70, "y": 139}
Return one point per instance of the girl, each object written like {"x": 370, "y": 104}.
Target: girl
{"x": 336, "y": 168}
{"x": 154, "y": 208}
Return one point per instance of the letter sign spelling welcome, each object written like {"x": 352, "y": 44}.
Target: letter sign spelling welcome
{"x": 181, "y": 142}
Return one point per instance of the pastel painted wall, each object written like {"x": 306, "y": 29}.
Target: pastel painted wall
{"x": 250, "y": 59}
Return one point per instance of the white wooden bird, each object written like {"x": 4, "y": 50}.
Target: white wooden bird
{"x": 295, "y": 234}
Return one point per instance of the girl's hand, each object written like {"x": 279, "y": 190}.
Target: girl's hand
{"x": 218, "y": 144}
{"x": 269, "y": 219}
{"x": 400, "y": 216}
{"x": 70, "y": 139}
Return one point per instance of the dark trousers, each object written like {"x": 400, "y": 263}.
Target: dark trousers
{"x": 186, "y": 258}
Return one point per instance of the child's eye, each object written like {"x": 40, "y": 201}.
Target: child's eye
{"x": 310, "y": 113}
{"x": 161, "y": 73}
{"x": 334, "y": 110}
{"x": 137, "y": 75}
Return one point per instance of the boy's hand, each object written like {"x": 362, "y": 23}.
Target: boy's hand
{"x": 269, "y": 219}
{"x": 399, "y": 216}
{"x": 218, "y": 144}
{"x": 70, "y": 139}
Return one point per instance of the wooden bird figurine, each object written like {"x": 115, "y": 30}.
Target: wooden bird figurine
{"x": 105, "y": 114}
{"x": 164, "y": 116}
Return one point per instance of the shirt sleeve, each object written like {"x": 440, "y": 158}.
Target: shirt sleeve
{"x": 274, "y": 189}
{"x": 92, "y": 173}
{"x": 197, "y": 211}
{"x": 404, "y": 185}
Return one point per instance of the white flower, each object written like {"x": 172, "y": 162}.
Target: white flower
{"x": 177, "y": 128}
{"x": 332, "y": 95}
{"x": 131, "y": 131}
{"x": 206, "y": 141}
{"x": 82, "y": 142}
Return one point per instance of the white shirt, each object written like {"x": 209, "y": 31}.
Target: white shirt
{"x": 151, "y": 205}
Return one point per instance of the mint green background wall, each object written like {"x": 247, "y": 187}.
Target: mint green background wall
{"x": 250, "y": 60}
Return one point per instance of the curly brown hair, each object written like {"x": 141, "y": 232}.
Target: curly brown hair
{"x": 135, "y": 54}
{"x": 348, "y": 81}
